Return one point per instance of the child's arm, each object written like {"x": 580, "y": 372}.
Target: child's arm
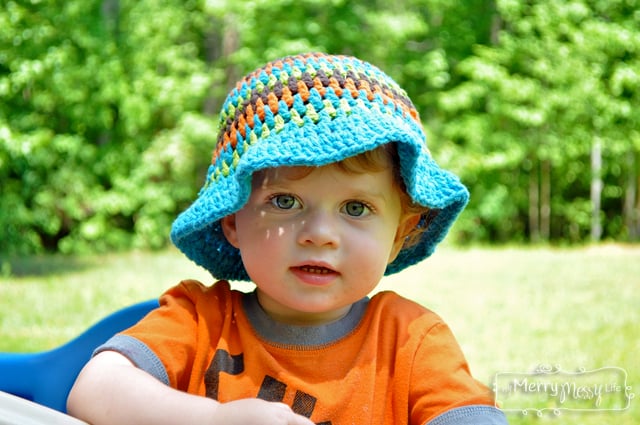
{"x": 111, "y": 390}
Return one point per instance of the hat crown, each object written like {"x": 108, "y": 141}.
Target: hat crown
{"x": 302, "y": 89}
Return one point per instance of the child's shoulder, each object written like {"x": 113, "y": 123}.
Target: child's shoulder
{"x": 195, "y": 292}
{"x": 388, "y": 306}
{"x": 393, "y": 300}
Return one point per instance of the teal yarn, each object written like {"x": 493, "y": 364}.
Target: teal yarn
{"x": 311, "y": 110}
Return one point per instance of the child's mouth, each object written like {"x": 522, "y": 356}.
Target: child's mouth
{"x": 315, "y": 274}
{"x": 315, "y": 269}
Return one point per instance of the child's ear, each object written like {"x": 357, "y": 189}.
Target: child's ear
{"x": 407, "y": 224}
{"x": 228, "y": 224}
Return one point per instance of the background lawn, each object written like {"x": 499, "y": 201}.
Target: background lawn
{"x": 512, "y": 310}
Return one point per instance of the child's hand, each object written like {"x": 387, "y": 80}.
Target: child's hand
{"x": 252, "y": 411}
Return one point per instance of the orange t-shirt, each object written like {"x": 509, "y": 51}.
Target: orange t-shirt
{"x": 388, "y": 361}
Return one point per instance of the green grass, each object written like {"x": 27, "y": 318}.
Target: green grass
{"x": 511, "y": 309}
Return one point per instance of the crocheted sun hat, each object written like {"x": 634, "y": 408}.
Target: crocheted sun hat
{"x": 311, "y": 110}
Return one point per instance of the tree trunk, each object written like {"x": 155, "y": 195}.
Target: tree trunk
{"x": 231, "y": 44}
{"x": 221, "y": 41}
{"x": 111, "y": 18}
{"x": 631, "y": 209}
{"x": 545, "y": 200}
{"x": 111, "y": 14}
{"x": 534, "y": 203}
{"x": 212, "y": 52}
{"x": 596, "y": 189}
{"x": 496, "y": 26}
{"x": 636, "y": 231}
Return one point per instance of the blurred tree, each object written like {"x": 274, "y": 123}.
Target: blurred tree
{"x": 107, "y": 107}
{"x": 95, "y": 121}
{"x": 560, "y": 84}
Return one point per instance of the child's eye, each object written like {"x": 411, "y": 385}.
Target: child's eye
{"x": 284, "y": 201}
{"x": 356, "y": 209}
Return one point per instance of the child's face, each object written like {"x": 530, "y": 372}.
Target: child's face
{"x": 316, "y": 242}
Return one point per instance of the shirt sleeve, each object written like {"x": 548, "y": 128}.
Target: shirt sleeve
{"x": 165, "y": 342}
{"x": 139, "y": 354}
{"x": 471, "y": 415}
{"x": 441, "y": 383}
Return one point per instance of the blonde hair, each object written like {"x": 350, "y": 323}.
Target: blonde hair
{"x": 379, "y": 159}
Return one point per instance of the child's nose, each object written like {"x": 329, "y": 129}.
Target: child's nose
{"x": 319, "y": 228}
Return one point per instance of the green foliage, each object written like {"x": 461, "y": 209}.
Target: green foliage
{"x": 563, "y": 76}
{"x": 107, "y": 107}
{"x": 99, "y": 129}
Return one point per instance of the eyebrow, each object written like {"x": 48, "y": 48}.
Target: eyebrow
{"x": 368, "y": 194}
{"x": 262, "y": 180}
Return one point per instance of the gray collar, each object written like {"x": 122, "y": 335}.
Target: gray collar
{"x": 301, "y": 336}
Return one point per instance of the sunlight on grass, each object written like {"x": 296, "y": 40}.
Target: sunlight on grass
{"x": 515, "y": 309}
{"x": 511, "y": 309}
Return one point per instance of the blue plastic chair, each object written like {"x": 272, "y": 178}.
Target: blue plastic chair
{"x": 47, "y": 377}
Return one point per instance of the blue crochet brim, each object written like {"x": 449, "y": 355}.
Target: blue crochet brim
{"x": 197, "y": 231}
